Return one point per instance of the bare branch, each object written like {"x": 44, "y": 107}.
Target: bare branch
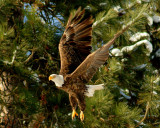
{"x": 147, "y": 108}
{"x": 60, "y": 21}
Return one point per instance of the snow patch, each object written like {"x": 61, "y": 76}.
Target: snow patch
{"x": 154, "y": 92}
{"x": 88, "y": 7}
{"x": 139, "y": 1}
{"x": 124, "y": 59}
{"x": 116, "y": 52}
{"x": 124, "y": 95}
{"x": 158, "y": 53}
{"x": 149, "y": 18}
{"x": 117, "y": 8}
{"x": 155, "y": 71}
{"x": 103, "y": 4}
{"x": 35, "y": 77}
{"x": 130, "y": 48}
{"x": 98, "y": 21}
{"x": 138, "y": 36}
{"x": 69, "y": 114}
{"x": 42, "y": 21}
{"x": 146, "y": 0}
{"x": 139, "y": 121}
{"x": 156, "y": 81}
{"x": 126, "y": 90}
{"x": 156, "y": 19}
{"x": 140, "y": 66}
{"x": 130, "y": 5}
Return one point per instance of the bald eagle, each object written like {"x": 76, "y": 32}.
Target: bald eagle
{"x": 78, "y": 64}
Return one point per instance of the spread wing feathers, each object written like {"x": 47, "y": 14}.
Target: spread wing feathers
{"x": 89, "y": 66}
{"x": 75, "y": 43}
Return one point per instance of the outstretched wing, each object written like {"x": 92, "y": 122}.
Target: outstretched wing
{"x": 89, "y": 66}
{"x": 75, "y": 43}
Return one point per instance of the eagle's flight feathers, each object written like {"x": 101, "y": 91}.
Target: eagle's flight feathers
{"x": 75, "y": 44}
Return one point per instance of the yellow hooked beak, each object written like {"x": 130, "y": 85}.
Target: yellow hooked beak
{"x": 51, "y": 77}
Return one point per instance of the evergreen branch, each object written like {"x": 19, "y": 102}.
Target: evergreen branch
{"x": 147, "y": 108}
{"x": 140, "y": 13}
{"x": 118, "y": 34}
{"x": 130, "y": 6}
{"x": 157, "y": 123}
{"x": 124, "y": 28}
{"x": 110, "y": 14}
{"x": 157, "y": 30}
{"x": 97, "y": 22}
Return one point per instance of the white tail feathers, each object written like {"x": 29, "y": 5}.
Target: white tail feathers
{"x": 92, "y": 88}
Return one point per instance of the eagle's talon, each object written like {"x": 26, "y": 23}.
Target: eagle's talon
{"x": 74, "y": 113}
{"x": 81, "y": 116}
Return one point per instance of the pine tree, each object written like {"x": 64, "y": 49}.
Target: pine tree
{"x": 30, "y": 31}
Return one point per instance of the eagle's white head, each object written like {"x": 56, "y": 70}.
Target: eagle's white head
{"x": 57, "y": 79}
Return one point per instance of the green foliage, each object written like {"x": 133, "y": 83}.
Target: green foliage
{"x": 30, "y": 31}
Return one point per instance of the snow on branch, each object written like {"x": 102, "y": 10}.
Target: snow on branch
{"x": 138, "y": 36}
{"x": 140, "y": 66}
{"x": 130, "y": 48}
{"x": 123, "y": 92}
{"x": 97, "y": 22}
{"x": 124, "y": 95}
{"x": 36, "y": 77}
{"x": 149, "y": 18}
{"x": 156, "y": 81}
{"x": 158, "y": 53}
{"x": 117, "y": 52}
{"x": 156, "y": 19}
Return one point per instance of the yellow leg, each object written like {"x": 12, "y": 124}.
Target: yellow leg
{"x": 74, "y": 113}
{"x": 81, "y": 116}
